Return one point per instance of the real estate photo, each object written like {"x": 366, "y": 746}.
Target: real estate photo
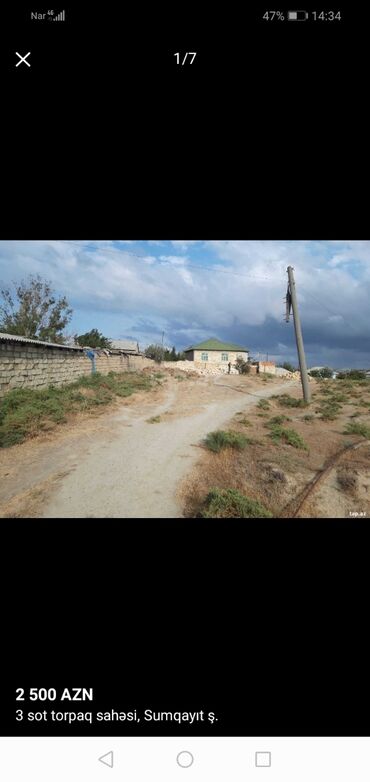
{"x": 184, "y": 379}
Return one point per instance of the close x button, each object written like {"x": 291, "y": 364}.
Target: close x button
{"x": 23, "y": 58}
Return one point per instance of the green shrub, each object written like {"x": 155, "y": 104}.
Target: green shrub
{"x": 219, "y": 439}
{"x": 277, "y": 419}
{"x": 354, "y": 374}
{"x": 341, "y": 398}
{"x": 308, "y": 417}
{"x": 285, "y": 400}
{"x": 230, "y": 503}
{"x": 290, "y": 436}
{"x": 264, "y": 404}
{"x": 357, "y": 428}
{"x": 155, "y": 419}
{"x": 324, "y": 372}
{"x": 329, "y": 412}
{"x": 25, "y": 411}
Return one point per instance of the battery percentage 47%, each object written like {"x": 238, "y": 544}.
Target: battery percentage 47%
{"x": 271, "y": 16}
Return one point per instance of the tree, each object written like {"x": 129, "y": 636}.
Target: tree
{"x": 155, "y": 352}
{"x": 93, "y": 339}
{"x": 158, "y": 353}
{"x": 170, "y": 355}
{"x": 352, "y": 374}
{"x": 32, "y": 310}
{"x": 324, "y": 372}
{"x": 242, "y": 366}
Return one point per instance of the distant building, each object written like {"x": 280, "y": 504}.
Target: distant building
{"x": 216, "y": 353}
{"x": 267, "y": 366}
{"x": 124, "y": 346}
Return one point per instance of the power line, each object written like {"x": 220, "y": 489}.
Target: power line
{"x": 212, "y": 269}
{"x": 331, "y": 312}
{"x": 161, "y": 262}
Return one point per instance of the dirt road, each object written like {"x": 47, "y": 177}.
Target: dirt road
{"x": 121, "y": 465}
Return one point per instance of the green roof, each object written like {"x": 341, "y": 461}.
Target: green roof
{"x": 215, "y": 344}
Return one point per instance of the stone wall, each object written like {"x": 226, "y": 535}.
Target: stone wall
{"x": 200, "y": 367}
{"x": 267, "y": 366}
{"x": 30, "y": 366}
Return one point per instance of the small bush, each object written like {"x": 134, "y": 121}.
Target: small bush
{"x": 230, "y": 503}
{"x": 354, "y": 374}
{"x": 285, "y": 400}
{"x": 277, "y": 419}
{"x": 290, "y": 436}
{"x": 347, "y": 480}
{"x": 308, "y": 417}
{"x": 339, "y": 398}
{"x": 357, "y": 428}
{"x": 244, "y": 421}
{"x": 329, "y": 413}
{"x": 155, "y": 419}
{"x": 219, "y": 439}
{"x": 324, "y": 372}
{"x": 264, "y": 404}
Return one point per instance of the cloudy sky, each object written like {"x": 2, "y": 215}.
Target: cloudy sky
{"x": 192, "y": 290}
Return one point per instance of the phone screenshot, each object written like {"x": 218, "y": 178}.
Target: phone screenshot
{"x": 184, "y": 423}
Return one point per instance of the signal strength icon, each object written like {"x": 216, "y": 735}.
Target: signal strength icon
{"x": 60, "y": 17}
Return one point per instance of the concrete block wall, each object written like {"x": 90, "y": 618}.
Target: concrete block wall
{"x": 200, "y": 367}
{"x": 29, "y": 366}
{"x": 215, "y": 357}
{"x": 267, "y": 366}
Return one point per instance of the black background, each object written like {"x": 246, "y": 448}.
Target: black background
{"x": 262, "y": 622}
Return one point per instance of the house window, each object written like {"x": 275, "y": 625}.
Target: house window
{"x": 204, "y": 356}
{"x": 224, "y": 357}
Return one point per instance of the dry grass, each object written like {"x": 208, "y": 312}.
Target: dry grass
{"x": 275, "y": 475}
{"x": 224, "y": 470}
{"x": 347, "y": 479}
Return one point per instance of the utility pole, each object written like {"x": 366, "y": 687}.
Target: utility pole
{"x": 162, "y": 345}
{"x": 291, "y": 298}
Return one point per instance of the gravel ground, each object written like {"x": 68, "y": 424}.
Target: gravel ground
{"x": 122, "y": 466}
